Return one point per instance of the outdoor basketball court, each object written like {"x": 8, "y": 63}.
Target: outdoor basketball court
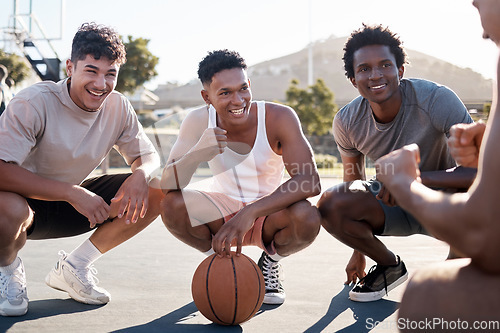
{"x": 149, "y": 278}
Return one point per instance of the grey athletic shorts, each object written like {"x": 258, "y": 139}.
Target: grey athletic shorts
{"x": 56, "y": 219}
{"x": 397, "y": 221}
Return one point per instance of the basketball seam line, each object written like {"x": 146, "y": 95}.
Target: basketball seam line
{"x": 235, "y": 292}
{"x": 208, "y": 293}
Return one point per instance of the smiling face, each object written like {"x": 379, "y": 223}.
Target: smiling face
{"x": 92, "y": 80}
{"x": 376, "y": 75}
{"x": 229, "y": 93}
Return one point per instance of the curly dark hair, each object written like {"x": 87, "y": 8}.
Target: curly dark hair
{"x": 99, "y": 41}
{"x": 372, "y": 35}
{"x": 217, "y": 61}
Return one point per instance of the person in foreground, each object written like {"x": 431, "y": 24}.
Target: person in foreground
{"x": 247, "y": 145}
{"x": 54, "y": 135}
{"x": 390, "y": 113}
{"x": 460, "y": 289}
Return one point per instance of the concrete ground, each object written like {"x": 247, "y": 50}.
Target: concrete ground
{"x": 149, "y": 278}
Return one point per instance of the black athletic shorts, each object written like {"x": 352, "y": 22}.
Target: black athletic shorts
{"x": 55, "y": 219}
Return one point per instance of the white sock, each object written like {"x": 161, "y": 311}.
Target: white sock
{"x": 9, "y": 269}
{"x": 84, "y": 255}
{"x": 209, "y": 252}
{"x": 275, "y": 257}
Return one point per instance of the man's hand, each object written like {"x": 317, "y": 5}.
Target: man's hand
{"x": 90, "y": 205}
{"x": 464, "y": 143}
{"x": 400, "y": 165}
{"x": 213, "y": 141}
{"x": 131, "y": 199}
{"x": 235, "y": 228}
{"x": 355, "y": 268}
{"x": 385, "y": 196}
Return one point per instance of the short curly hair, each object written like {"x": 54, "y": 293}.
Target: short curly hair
{"x": 217, "y": 61}
{"x": 372, "y": 35}
{"x": 98, "y": 41}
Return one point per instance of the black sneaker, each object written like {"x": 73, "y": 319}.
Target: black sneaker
{"x": 275, "y": 294}
{"x": 378, "y": 282}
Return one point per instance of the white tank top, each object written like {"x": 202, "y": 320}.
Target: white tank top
{"x": 250, "y": 176}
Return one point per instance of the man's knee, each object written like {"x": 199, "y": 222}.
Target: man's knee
{"x": 307, "y": 218}
{"x": 433, "y": 289}
{"x": 344, "y": 203}
{"x": 155, "y": 198}
{"x": 334, "y": 204}
{"x": 15, "y": 215}
{"x": 171, "y": 204}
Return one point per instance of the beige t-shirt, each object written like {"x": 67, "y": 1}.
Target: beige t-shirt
{"x": 44, "y": 131}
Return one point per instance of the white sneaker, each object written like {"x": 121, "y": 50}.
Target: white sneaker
{"x": 80, "y": 284}
{"x": 13, "y": 294}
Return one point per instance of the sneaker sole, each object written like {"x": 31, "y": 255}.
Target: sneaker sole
{"x": 274, "y": 299}
{"x": 16, "y": 311}
{"x": 376, "y": 295}
{"x": 53, "y": 281}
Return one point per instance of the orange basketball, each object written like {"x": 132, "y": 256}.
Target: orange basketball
{"x": 228, "y": 291}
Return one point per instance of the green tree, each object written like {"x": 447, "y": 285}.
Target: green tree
{"x": 16, "y": 65}
{"x": 315, "y": 106}
{"x": 487, "y": 108}
{"x": 140, "y": 65}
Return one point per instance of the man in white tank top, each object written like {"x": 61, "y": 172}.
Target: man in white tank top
{"x": 247, "y": 145}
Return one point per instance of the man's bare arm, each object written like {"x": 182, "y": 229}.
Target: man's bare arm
{"x": 196, "y": 144}
{"x": 460, "y": 178}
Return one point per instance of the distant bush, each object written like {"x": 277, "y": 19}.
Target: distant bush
{"x": 17, "y": 66}
{"x": 325, "y": 161}
{"x": 487, "y": 108}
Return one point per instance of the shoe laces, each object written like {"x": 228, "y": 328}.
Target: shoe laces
{"x": 271, "y": 271}
{"x": 372, "y": 275}
{"x": 13, "y": 285}
{"x": 87, "y": 275}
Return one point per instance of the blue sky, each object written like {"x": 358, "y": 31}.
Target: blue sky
{"x": 182, "y": 31}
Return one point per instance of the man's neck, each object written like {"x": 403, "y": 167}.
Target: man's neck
{"x": 386, "y": 111}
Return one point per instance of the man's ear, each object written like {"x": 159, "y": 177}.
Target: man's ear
{"x": 353, "y": 82}
{"x": 401, "y": 71}
{"x": 204, "y": 95}
{"x": 69, "y": 67}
